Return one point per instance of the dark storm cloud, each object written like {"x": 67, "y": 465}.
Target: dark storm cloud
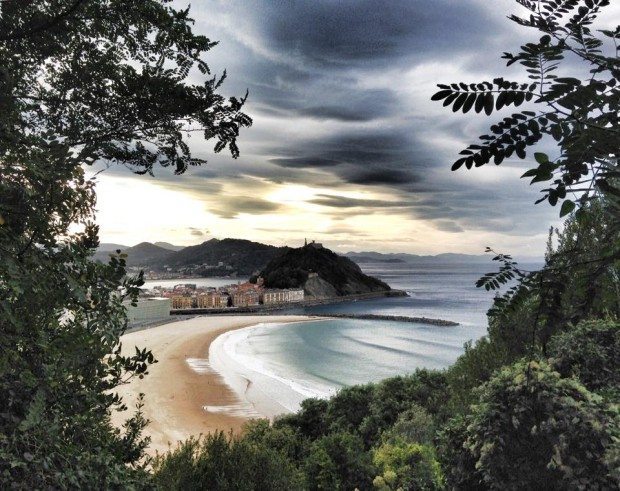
{"x": 361, "y": 32}
{"x": 301, "y": 162}
{"x": 324, "y": 116}
{"x": 368, "y": 157}
{"x": 354, "y": 106}
{"x": 347, "y": 202}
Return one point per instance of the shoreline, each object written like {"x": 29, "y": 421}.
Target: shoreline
{"x": 268, "y": 393}
{"x": 184, "y": 395}
{"x": 267, "y": 309}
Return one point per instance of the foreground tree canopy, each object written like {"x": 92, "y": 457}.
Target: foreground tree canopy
{"x": 82, "y": 81}
{"x": 533, "y": 403}
{"x": 580, "y": 114}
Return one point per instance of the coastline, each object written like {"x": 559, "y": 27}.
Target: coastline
{"x": 184, "y": 396}
{"x": 268, "y": 393}
{"x": 309, "y": 302}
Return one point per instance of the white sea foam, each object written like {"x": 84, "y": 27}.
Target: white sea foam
{"x": 268, "y": 392}
{"x": 244, "y": 410}
{"x": 199, "y": 365}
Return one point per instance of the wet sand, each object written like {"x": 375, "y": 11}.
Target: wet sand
{"x": 183, "y": 396}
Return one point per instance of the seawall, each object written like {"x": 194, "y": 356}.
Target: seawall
{"x": 397, "y": 318}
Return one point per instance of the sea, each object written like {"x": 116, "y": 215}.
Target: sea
{"x": 288, "y": 362}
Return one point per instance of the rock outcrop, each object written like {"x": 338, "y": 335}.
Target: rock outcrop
{"x": 321, "y": 272}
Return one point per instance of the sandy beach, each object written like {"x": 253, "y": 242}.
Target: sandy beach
{"x": 183, "y": 395}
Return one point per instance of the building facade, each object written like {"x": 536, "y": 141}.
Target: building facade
{"x": 274, "y": 297}
{"x": 245, "y": 298}
{"x": 212, "y": 300}
{"x": 148, "y": 309}
{"x": 182, "y": 302}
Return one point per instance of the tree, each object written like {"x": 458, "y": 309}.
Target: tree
{"x": 220, "y": 462}
{"x": 533, "y": 429}
{"x": 405, "y": 465}
{"x": 338, "y": 461}
{"x": 590, "y": 352}
{"x": 83, "y": 81}
{"x": 581, "y": 115}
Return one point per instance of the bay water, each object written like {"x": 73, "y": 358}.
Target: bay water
{"x": 316, "y": 358}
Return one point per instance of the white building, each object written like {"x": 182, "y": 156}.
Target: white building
{"x": 276, "y": 296}
{"x": 148, "y": 309}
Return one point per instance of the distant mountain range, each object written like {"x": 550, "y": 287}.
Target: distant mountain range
{"x": 446, "y": 258}
{"x": 243, "y": 257}
{"x": 143, "y": 254}
{"x": 211, "y": 258}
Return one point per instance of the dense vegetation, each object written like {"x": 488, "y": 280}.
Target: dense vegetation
{"x": 291, "y": 269}
{"x": 83, "y": 81}
{"x": 534, "y": 404}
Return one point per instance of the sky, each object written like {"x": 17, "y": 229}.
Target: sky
{"x": 346, "y": 147}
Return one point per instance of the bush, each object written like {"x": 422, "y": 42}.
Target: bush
{"x": 309, "y": 420}
{"x": 414, "y": 425}
{"x": 590, "y": 352}
{"x": 473, "y": 368}
{"x": 403, "y": 465}
{"x": 225, "y": 463}
{"x": 338, "y": 461}
{"x": 533, "y": 429}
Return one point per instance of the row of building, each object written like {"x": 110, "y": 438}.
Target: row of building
{"x": 238, "y": 297}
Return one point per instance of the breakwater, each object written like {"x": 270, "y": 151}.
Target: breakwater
{"x": 261, "y": 309}
{"x": 396, "y": 318}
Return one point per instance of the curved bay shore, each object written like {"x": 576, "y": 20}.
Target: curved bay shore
{"x": 183, "y": 395}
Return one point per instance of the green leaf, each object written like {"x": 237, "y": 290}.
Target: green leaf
{"x": 541, "y": 158}
{"x": 567, "y": 207}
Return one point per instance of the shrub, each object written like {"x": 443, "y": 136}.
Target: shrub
{"x": 414, "y": 425}
{"x": 225, "y": 463}
{"x": 533, "y": 429}
{"x": 403, "y": 465}
{"x": 590, "y": 352}
{"x": 338, "y": 461}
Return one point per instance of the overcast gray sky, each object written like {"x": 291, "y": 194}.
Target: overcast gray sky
{"x": 346, "y": 147}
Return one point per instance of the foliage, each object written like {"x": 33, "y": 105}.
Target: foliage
{"x": 224, "y": 463}
{"x": 338, "y": 461}
{"x": 405, "y": 465}
{"x": 291, "y": 270}
{"x": 590, "y": 352}
{"x": 475, "y": 366}
{"x": 309, "y": 421}
{"x": 369, "y": 410}
{"x": 281, "y": 438}
{"x": 533, "y": 429}
{"x": 413, "y": 425}
{"x": 110, "y": 79}
{"x": 458, "y": 464}
{"x": 61, "y": 317}
{"x": 83, "y": 81}
{"x": 582, "y": 115}
{"x": 578, "y": 281}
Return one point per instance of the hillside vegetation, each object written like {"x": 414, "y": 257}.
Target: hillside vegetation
{"x": 243, "y": 256}
{"x": 336, "y": 274}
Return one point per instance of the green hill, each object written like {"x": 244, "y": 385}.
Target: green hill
{"x": 242, "y": 256}
{"x": 335, "y": 275}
